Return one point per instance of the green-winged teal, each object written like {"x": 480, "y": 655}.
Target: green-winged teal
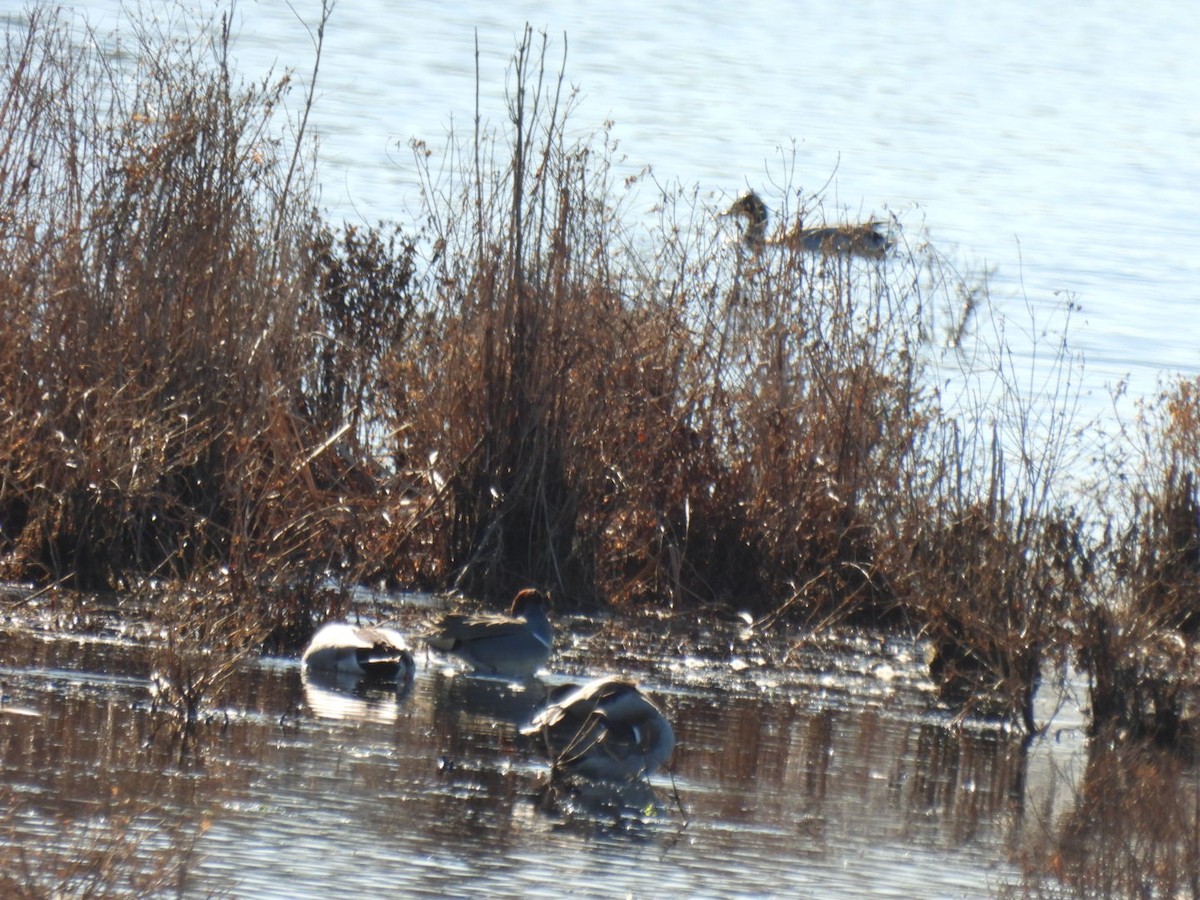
{"x": 376, "y": 653}
{"x": 607, "y": 730}
{"x": 513, "y": 646}
{"x": 864, "y": 240}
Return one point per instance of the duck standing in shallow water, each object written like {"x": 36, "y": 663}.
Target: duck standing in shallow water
{"x": 513, "y": 646}
{"x": 606, "y": 730}
{"x": 373, "y": 653}
{"x": 863, "y": 240}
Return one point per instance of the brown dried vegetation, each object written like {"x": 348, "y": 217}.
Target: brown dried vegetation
{"x": 207, "y": 385}
{"x": 1138, "y": 641}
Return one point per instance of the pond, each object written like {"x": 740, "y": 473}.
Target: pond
{"x": 1051, "y": 146}
{"x": 804, "y": 767}
{"x": 1040, "y": 141}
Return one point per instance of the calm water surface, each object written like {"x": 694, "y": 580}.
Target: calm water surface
{"x": 1053, "y": 145}
{"x": 801, "y": 770}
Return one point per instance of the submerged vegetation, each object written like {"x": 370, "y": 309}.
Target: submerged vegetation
{"x": 211, "y": 392}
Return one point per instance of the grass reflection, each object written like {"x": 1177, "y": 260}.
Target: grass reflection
{"x": 1133, "y": 830}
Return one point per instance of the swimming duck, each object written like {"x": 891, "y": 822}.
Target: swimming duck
{"x": 606, "y": 730}
{"x": 378, "y": 654}
{"x": 864, "y": 240}
{"x": 515, "y": 646}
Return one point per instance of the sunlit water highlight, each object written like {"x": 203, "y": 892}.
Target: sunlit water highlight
{"x": 808, "y": 769}
{"x": 1055, "y": 147}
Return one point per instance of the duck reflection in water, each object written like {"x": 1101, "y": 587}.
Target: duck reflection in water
{"x": 630, "y": 810}
{"x": 606, "y": 730}
{"x": 338, "y": 695}
{"x": 487, "y": 700}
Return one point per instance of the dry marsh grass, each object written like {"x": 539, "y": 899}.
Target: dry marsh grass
{"x": 186, "y": 351}
{"x": 1138, "y": 635}
{"x": 149, "y": 329}
{"x": 208, "y": 385}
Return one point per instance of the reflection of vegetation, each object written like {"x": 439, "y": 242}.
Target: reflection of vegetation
{"x": 1134, "y": 830}
{"x": 128, "y": 851}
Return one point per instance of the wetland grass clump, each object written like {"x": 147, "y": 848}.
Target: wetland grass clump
{"x": 187, "y": 349}
{"x": 992, "y": 557}
{"x": 993, "y": 607}
{"x": 1138, "y": 641}
{"x": 199, "y": 638}
{"x": 146, "y": 331}
{"x": 653, "y": 418}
